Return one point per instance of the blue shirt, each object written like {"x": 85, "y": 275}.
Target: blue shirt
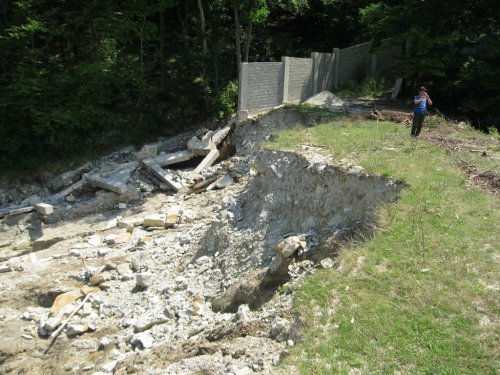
{"x": 421, "y": 107}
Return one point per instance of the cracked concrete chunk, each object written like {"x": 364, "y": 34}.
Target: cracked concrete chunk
{"x": 155, "y": 220}
{"x": 44, "y": 208}
{"x": 208, "y": 160}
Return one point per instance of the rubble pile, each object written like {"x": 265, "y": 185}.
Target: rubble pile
{"x": 196, "y": 277}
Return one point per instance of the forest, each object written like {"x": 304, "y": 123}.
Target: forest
{"x": 80, "y": 77}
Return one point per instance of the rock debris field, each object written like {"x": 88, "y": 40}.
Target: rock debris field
{"x": 142, "y": 269}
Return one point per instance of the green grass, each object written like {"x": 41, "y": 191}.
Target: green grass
{"x": 410, "y": 300}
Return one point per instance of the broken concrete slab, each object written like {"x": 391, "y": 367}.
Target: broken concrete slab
{"x": 201, "y": 147}
{"x": 147, "y": 151}
{"x": 115, "y": 180}
{"x": 208, "y": 160}
{"x": 162, "y": 174}
{"x": 220, "y": 135}
{"x": 16, "y": 210}
{"x": 68, "y": 190}
{"x": 155, "y": 220}
{"x": 44, "y": 208}
{"x": 173, "y": 158}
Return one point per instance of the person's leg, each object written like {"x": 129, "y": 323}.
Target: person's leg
{"x": 414, "y": 125}
{"x": 420, "y": 123}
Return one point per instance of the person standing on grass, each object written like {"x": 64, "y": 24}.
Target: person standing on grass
{"x": 421, "y": 101}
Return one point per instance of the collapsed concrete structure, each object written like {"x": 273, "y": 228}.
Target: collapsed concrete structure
{"x": 183, "y": 279}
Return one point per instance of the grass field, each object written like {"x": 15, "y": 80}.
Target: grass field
{"x": 422, "y": 295}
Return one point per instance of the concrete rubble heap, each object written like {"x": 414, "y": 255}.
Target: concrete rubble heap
{"x": 194, "y": 275}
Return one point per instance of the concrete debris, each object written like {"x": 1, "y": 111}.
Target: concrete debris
{"x": 122, "y": 206}
{"x": 44, "y": 208}
{"x": 196, "y": 274}
{"x": 173, "y": 158}
{"x": 208, "y": 160}
{"x": 162, "y": 174}
{"x": 201, "y": 147}
{"x": 147, "y": 151}
{"x": 155, "y": 220}
{"x": 76, "y": 329}
{"x": 143, "y": 340}
{"x": 63, "y": 300}
{"x": 115, "y": 180}
{"x": 290, "y": 245}
{"x": 326, "y": 100}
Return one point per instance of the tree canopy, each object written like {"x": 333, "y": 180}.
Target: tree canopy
{"x": 81, "y": 76}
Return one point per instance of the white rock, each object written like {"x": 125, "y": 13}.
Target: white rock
{"x": 94, "y": 240}
{"x": 144, "y": 280}
{"x": 44, "y": 208}
{"x": 243, "y": 314}
{"x": 110, "y": 366}
{"x": 104, "y": 343}
{"x": 155, "y": 220}
{"x": 288, "y": 246}
{"x": 76, "y": 329}
{"x": 143, "y": 340}
{"x": 244, "y": 371}
{"x": 122, "y": 206}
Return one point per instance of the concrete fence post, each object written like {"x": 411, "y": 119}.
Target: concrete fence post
{"x": 336, "y": 64}
{"x": 243, "y": 92}
{"x": 286, "y": 77}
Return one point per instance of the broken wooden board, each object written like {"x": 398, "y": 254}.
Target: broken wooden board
{"x": 162, "y": 174}
{"x": 208, "y": 160}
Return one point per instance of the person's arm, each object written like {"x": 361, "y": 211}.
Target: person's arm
{"x": 429, "y": 99}
{"x": 418, "y": 100}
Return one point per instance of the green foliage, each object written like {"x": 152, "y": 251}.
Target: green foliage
{"x": 405, "y": 301}
{"x": 371, "y": 87}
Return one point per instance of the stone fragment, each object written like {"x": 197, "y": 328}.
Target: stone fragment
{"x": 94, "y": 240}
{"x": 327, "y": 263}
{"x": 279, "y": 329}
{"x": 219, "y": 135}
{"x": 244, "y": 371}
{"x": 243, "y": 314}
{"x": 105, "y": 343}
{"x": 155, "y": 220}
{"x": 5, "y": 268}
{"x": 110, "y": 366}
{"x": 172, "y": 219}
{"x": 224, "y": 182}
{"x": 135, "y": 264}
{"x": 70, "y": 198}
{"x": 144, "y": 280}
{"x": 122, "y": 206}
{"x": 208, "y": 160}
{"x": 143, "y": 340}
{"x": 63, "y": 300}
{"x": 147, "y": 151}
{"x": 76, "y": 329}
{"x": 116, "y": 239}
{"x": 198, "y": 305}
{"x": 44, "y": 208}
{"x": 95, "y": 280}
{"x": 288, "y": 246}
{"x": 130, "y": 223}
{"x": 144, "y": 241}
{"x": 88, "y": 289}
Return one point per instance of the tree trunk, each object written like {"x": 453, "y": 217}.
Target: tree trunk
{"x": 248, "y": 41}
{"x": 202, "y": 21}
{"x": 162, "y": 52}
{"x": 238, "y": 39}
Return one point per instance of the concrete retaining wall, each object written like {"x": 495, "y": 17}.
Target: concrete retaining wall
{"x": 264, "y": 85}
{"x": 298, "y": 83}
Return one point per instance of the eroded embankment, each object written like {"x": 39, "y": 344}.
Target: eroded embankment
{"x": 211, "y": 302}
{"x": 301, "y": 195}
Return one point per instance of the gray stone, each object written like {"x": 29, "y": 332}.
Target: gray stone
{"x": 243, "y": 314}
{"x": 224, "y": 182}
{"x": 76, "y": 329}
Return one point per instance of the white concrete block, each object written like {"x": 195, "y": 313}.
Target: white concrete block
{"x": 44, "y": 208}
